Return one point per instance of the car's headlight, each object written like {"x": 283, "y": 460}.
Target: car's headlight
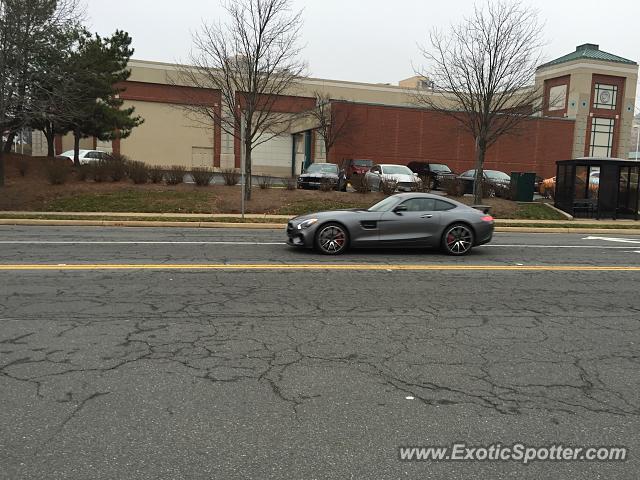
{"x": 307, "y": 223}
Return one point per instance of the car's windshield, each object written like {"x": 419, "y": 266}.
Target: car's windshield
{"x": 438, "y": 167}
{"x": 495, "y": 175}
{"x": 362, "y": 163}
{"x": 384, "y": 205}
{"x": 322, "y": 168}
{"x": 396, "y": 170}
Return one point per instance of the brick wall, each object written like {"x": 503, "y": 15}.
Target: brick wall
{"x": 400, "y": 135}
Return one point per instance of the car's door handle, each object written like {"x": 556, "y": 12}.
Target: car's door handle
{"x": 428, "y": 215}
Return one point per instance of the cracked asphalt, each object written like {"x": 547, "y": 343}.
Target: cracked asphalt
{"x": 295, "y": 374}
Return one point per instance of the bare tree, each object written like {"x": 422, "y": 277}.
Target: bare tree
{"x": 483, "y": 73}
{"x": 252, "y": 60}
{"x": 331, "y": 125}
{"x": 26, "y": 29}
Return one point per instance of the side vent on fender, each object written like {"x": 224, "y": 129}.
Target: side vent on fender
{"x": 369, "y": 224}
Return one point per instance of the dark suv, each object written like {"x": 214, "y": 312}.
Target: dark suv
{"x": 356, "y": 167}
{"x": 432, "y": 173}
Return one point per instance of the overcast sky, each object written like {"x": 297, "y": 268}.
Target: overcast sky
{"x": 367, "y": 40}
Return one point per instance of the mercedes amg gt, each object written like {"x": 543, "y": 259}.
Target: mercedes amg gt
{"x": 416, "y": 220}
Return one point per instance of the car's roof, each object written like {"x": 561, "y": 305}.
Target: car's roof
{"x": 80, "y": 152}
{"x": 409, "y": 195}
{"x": 391, "y": 165}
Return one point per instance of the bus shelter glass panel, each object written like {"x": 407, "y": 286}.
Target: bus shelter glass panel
{"x": 628, "y": 190}
{"x": 594, "y": 183}
{"x": 581, "y": 182}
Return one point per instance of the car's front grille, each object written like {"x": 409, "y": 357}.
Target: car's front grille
{"x": 289, "y": 227}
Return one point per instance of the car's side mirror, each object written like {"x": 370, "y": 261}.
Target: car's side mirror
{"x": 415, "y": 174}
{"x": 400, "y": 208}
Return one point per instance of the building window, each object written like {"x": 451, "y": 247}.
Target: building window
{"x": 601, "y": 137}
{"x": 557, "y": 97}
{"x": 605, "y": 96}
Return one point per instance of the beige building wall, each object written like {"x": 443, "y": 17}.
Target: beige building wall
{"x": 168, "y": 137}
{"x": 67, "y": 143}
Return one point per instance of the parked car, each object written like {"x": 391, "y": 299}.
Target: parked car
{"x": 497, "y": 181}
{"x": 356, "y": 167}
{"x": 407, "y": 180}
{"x": 416, "y": 220}
{"x": 434, "y": 173}
{"x": 86, "y": 156}
{"x": 317, "y": 173}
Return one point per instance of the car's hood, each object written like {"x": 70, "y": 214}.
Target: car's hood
{"x": 400, "y": 177}
{"x": 319, "y": 175}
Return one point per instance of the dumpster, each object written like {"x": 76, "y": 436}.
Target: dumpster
{"x": 522, "y": 186}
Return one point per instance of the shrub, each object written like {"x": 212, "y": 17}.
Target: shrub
{"x": 83, "y": 172}
{"x": 388, "y": 185}
{"x": 202, "y": 176}
{"x": 231, "y": 176}
{"x": 116, "y": 166}
{"x": 265, "y": 183}
{"x": 57, "y": 171}
{"x": 23, "y": 167}
{"x": 359, "y": 184}
{"x": 500, "y": 191}
{"x": 425, "y": 185}
{"x": 138, "y": 172}
{"x": 292, "y": 183}
{"x": 174, "y": 175}
{"x": 156, "y": 174}
{"x": 326, "y": 185}
{"x": 100, "y": 171}
{"x": 453, "y": 186}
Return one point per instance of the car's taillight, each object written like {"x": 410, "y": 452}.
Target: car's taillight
{"x": 487, "y": 218}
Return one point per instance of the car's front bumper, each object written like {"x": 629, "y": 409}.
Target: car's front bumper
{"x": 300, "y": 238}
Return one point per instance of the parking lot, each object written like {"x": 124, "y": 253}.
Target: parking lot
{"x": 254, "y": 360}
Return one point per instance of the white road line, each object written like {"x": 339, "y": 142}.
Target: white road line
{"x": 142, "y": 242}
{"x": 599, "y": 247}
{"x": 100, "y": 242}
{"x": 612, "y": 239}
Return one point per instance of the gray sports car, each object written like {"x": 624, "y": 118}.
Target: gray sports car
{"x": 403, "y": 220}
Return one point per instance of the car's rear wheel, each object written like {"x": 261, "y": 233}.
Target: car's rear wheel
{"x": 332, "y": 239}
{"x": 457, "y": 239}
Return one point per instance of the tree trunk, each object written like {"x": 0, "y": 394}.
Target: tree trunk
{"x": 51, "y": 138}
{"x": 10, "y": 138}
{"x": 76, "y": 148}
{"x": 51, "y": 149}
{"x": 2, "y": 167}
{"x": 247, "y": 170}
{"x": 481, "y": 149}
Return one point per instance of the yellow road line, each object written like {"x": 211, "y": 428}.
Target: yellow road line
{"x": 320, "y": 266}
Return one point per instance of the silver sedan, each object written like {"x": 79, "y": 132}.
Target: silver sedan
{"x": 417, "y": 220}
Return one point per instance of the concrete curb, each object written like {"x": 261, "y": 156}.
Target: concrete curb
{"x": 137, "y": 223}
{"x": 280, "y": 226}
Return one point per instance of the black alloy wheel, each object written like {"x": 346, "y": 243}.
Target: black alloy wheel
{"x": 457, "y": 239}
{"x": 332, "y": 239}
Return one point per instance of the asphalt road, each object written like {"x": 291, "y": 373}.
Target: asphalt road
{"x": 310, "y": 373}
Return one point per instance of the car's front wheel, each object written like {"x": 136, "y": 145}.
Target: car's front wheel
{"x": 332, "y": 239}
{"x": 457, "y": 239}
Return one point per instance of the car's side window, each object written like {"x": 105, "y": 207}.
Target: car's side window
{"x": 420, "y": 205}
{"x": 91, "y": 155}
{"x": 442, "y": 206}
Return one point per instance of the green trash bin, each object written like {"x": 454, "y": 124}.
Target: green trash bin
{"x": 523, "y": 186}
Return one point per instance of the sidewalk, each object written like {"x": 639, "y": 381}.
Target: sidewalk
{"x": 263, "y": 221}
